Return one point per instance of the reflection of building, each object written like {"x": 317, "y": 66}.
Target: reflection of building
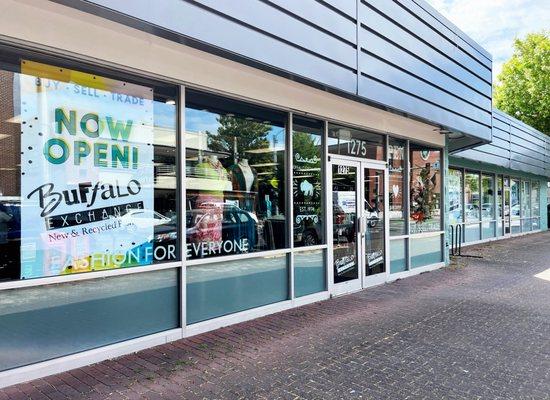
{"x": 10, "y": 136}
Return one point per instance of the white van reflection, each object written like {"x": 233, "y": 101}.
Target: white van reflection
{"x": 143, "y": 219}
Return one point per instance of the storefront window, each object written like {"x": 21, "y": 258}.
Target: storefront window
{"x": 525, "y": 199}
{"x": 355, "y": 143}
{"x": 535, "y": 199}
{"x": 455, "y": 179}
{"x": 500, "y": 208}
{"x": 87, "y": 173}
{"x": 425, "y": 189}
{"x": 515, "y": 208}
{"x": 307, "y": 182}
{"x": 471, "y": 199}
{"x": 235, "y": 177}
{"x": 396, "y": 195}
{"x": 487, "y": 197}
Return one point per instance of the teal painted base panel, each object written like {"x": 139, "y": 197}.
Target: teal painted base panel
{"x": 426, "y": 251}
{"x": 46, "y": 322}
{"x": 218, "y": 289}
{"x": 309, "y": 273}
{"x": 398, "y": 263}
{"x": 471, "y": 233}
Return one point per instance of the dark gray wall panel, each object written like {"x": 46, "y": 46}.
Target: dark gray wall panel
{"x": 381, "y": 71}
{"x": 424, "y": 31}
{"x": 392, "y": 33}
{"x": 477, "y": 155}
{"x": 442, "y": 26}
{"x": 193, "y": 20}
{"x": 468, "y": 43}
{"x": 349, "y": 7}
{"x": 516, "y": 145}
{"x": 398, "y": 99}
{"x": 321, "y": 16}
{"x": 398, "y": 54}
{"x": 406, "y": 51}
{"x": 294, "y": 30}
{"x": 393, "y": 55}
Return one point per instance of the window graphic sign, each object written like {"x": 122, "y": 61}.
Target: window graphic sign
{"x": 87, "y": 176}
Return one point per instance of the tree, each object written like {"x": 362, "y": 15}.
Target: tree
{"x": 523, "y": 86}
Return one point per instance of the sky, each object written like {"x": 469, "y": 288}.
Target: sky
{"x": 494, "y": 24}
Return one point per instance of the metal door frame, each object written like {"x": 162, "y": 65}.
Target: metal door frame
{"x": 363, "y": 281}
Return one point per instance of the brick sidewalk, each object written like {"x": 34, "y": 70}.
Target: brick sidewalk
{"x": 478, "y": 329}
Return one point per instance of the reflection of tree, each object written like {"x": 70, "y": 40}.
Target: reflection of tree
{"x": 305, "y": 144}
{"x": 308, "y": 148}
{"x": 236, "y": 135}
{"x": 472, "y": 182}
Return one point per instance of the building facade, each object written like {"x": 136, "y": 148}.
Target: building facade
{"x": 167, "y": 171}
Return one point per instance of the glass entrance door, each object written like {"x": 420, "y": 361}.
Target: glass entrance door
{"x": 358, "y": 225}
{"x": 373, "y": 222}
{"x": 345, "y": 217}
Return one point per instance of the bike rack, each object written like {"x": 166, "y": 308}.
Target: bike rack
{"x": 457, "y": 233}
{"x": 456, "y": 239}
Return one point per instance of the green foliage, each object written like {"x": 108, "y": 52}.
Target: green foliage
{"x": 523, "y": 86}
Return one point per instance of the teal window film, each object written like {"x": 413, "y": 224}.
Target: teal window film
{"x": 472, "y": 197}
{"x": 471, "y": 233}
{"x": 397, "y": 197}
{"x": 426, "y": 251}
{"x": 310, "y": 274}
{"x": 398, "y": 255}
{"x": 488, "y": 229}
{"x": 515, "y": 206}
{"x": 455, "y": 192}
{"x": 44, "y": 322}
{"x": 217, "y": 289}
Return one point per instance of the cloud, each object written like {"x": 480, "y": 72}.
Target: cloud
{"x": 494, "y": 24}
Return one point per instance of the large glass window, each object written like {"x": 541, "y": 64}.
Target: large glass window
{"x": 355, "y": 143}
{"x": 87, "y": 173}
{"x": 525, "y": 199}
{"x": 397, "y": 195}
{"x": 535, "y": 198}
{"x": 307, "y": 182}
{"x": 515, "y": 207}
{"x": 425, "y": 189}
{"x": 500, "y": 205}
{"x": 235, "y": 177}
{"x": 471, "y": 199}
{"x": 487, "y": 197}
{"x": 535, "y": 204}
{"x": 455, "y": 179}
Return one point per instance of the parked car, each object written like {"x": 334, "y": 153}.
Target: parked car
{"x": 140, "y": 219}
{"x": 236, "y": 223}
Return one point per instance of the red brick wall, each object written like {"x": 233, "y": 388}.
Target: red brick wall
{"x": 10, "y": 138}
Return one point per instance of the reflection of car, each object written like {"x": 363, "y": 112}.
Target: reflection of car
{"x": 472, "y": 210}
{"x": 487, "y": 209}
{"x": 236, "y": 224}
{"x": 308, "y": 233}
{"x": 515, "y": 210}
{"x": 343, "y": 225}
{"x": 166, "y": 234}
{"x": 141, "y": 219}
{"x": 372, "y": 213}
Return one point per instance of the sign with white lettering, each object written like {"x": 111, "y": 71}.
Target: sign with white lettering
{"x": 86, "y": 172}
